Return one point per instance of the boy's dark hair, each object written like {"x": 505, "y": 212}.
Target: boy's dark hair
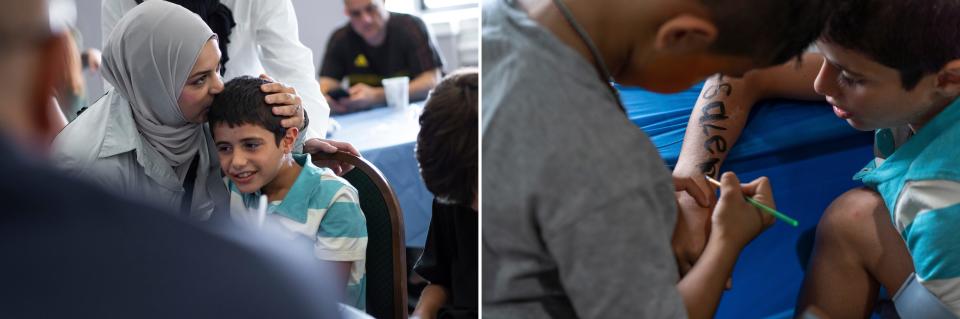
{"x": 242, "y": 102}
{"x": 447, "y": 143}
{"x": 915, "y": 37}
{"x": 773, "y": 31}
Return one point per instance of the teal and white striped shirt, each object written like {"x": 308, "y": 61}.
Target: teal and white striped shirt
{"x": 322, "y": 207}
{"x": 920, "y": 181}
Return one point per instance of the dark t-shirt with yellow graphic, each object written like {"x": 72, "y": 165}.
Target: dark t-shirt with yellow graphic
{"x": 406, "y": 51}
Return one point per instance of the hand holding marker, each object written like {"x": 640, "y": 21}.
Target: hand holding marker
{"x": 771, "y": 211}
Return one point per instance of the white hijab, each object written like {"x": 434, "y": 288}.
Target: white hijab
{"x": 148, "y": 58}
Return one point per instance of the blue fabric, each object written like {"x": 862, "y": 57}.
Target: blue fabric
{"x": 398, "y": 163}
{"x": 340, "y": 221}
{"x": 930, "y": 238}
{"x": 775, "y": 126}
{"x": 808, "y": 154}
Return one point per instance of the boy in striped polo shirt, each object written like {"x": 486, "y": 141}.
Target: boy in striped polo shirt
{"x": 305, "y": 201}
{"x": 899, "y": 232}
{"x": 892, "y": 67}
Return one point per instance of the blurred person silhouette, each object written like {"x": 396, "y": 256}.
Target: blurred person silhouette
{"x": 72, "y": 249}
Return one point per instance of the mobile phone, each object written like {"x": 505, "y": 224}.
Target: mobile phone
{"x": 337, "y": 94}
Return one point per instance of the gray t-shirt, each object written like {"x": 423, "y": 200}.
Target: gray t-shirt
{"x": 578, "y": 207}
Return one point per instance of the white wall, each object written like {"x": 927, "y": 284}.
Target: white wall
{"x": 88, "y": 21}
{"x": 318, "y": 19}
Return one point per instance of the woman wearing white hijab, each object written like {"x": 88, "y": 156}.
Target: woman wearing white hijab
{"x": 146, "y": 138}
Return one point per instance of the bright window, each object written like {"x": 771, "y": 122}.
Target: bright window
{"x": 447, "y": 4}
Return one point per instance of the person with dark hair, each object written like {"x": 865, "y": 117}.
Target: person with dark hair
{"x": 448, "y": 154}
{"x": 892, "y": 67}
{"x": 72, "y": 249}
{"x": 581, "y": 208}
{"x": 309, "y": 203}
{"x": 377, "y": 44}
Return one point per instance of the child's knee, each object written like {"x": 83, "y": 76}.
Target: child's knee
{"x": 853, "y": 212}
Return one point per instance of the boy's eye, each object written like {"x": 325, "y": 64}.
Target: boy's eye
{"x": 848, "y": 81}
{"x": 251, "y": 146}
{"x": 223, "y": 149}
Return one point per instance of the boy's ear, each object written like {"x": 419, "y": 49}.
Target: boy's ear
{"x": 289, "y": 139}
{"x": 948, "y": 79}
{"x": 685, "y": 34}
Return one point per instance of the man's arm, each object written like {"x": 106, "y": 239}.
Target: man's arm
{"x": 362, "y": 96}
{"x": 716, "y": 122}
{"x": 328, "y": 84}
{"x": 424, "y": 61}
{"x": 423, "y": 83}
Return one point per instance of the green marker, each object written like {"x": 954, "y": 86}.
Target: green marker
{"x": 765, "y": 208}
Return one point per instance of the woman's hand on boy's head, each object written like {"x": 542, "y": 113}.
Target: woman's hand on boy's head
{"x": 288, "y": 102}
{"x": 316, "y": 146}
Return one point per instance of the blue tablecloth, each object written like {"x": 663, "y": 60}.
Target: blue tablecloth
{"x": 386, "y": 137}
{"x": 810, "y": 157}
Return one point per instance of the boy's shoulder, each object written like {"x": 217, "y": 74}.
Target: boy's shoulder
{"x": 319, "y": 185}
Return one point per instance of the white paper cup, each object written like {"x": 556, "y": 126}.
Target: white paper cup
{"x": 397, "y": 91}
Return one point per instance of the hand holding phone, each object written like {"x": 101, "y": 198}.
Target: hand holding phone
{"x": 338, "y": 94}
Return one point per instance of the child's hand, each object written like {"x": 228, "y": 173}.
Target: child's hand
{"x": 735, "y": 221}
{"x": 695, "y": 201}
{"x": 691, "y": 232}
{"x": 697, "y": 187}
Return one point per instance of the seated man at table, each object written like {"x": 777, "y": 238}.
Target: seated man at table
{"x": 447, "y": 151}
{"x": 305, "y": 201}
{"x": 376, "y": 44}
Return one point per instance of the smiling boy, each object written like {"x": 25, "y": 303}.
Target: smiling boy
{"x": 305, "y": 201}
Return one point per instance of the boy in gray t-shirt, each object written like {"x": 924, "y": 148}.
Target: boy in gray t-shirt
{"x": 578, "y": 209}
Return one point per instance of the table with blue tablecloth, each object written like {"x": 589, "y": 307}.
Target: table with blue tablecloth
{"x": 386, "y": 137}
